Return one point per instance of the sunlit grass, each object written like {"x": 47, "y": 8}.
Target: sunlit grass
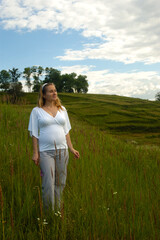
{"x": 124, "y": 117}
{"x": 112, "y": 191}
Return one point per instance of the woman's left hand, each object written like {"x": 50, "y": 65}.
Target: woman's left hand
{"x": 76, "y": 153}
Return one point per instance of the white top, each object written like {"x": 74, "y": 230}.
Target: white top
{"x": 49, "y": 130}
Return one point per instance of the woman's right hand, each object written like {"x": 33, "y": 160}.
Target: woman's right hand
{"x": 35, "y": 158}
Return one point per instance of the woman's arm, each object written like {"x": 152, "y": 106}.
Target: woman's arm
{"x": 35, "y": 157}
{"x": 69, "y": 143}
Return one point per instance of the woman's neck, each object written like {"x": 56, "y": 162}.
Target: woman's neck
{"x": 50, "y": 104}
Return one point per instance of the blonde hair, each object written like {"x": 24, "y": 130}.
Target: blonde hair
{"x": 41, "y": 100}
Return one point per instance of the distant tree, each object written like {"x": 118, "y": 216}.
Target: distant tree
{"x": 27, "y": 75}
{"x": 157, "y": 96}
{"x": 15, "y": 74}
{"x": 5, "y": 79}
{"x": 68, "y": 82}
{"x": 73, "y": 76}
{"x": 37, "y": 72}
{"x": 15, "y": 87}
{"x": 53, "y": 75}
{"x": 81, "y": 84}
{"x": 15, "y": 91}
{"x": 64, "y": 83}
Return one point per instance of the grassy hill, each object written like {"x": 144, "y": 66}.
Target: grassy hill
{"x": 112, "y": 192}
{"x": 131, "y": 119}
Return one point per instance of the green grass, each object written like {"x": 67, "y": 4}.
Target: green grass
{"x": 112, "y": 191}
{"x": 126, "y": 118}
{"x": 130, "y": 119}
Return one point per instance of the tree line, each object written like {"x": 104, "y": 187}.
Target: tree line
{"x": 157, "y": 96}
{"x": 35, "y": 76}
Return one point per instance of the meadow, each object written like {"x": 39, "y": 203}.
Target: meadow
{"x": 112, "y": 191}
{"x": 130, "y": 119}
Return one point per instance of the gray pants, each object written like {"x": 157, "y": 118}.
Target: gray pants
{"x": 53, "y": 164}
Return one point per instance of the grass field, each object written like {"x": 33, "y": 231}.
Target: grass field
{"x": 112, "y": 191}
{"x": 130, "y": 119}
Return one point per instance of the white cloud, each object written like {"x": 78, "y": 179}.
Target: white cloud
{"x": 78, "y": 69}
{"x": 125, "y": 84}
{"x": 130, "y": 30}
{"x": 131, "y": 84}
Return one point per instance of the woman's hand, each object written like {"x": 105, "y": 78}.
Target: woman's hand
{"x": 35, "y": 158}
{"x": 75, "y": 152}
{"x": 69, "y": 143}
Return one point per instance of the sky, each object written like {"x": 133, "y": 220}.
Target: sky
{"x": 116, "y": 44}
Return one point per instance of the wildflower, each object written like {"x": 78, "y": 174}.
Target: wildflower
{"x": 115, "y": 193}
{"x": 108, "y": 209}
{"x": 44, "y": 222}
{"x": 38, "y": 219}
{"x": 58, "y": 214}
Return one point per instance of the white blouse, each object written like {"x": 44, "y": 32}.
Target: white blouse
{"x": 50, "y": 131}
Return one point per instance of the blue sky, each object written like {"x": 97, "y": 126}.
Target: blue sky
{"x": 115, "y": 44}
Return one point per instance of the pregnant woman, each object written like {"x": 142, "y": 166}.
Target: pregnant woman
{"x": 49, "y": 128}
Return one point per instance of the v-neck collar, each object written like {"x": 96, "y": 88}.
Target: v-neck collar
{"x": 50, "y": 114}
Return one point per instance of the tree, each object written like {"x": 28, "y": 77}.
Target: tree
{"x": 15, "y": 91}
{"x": 27, "y": 75}
{"x": 73, "y": 76}
{"x": 81, "y": 84}
{"x": 37, "y": 72}
{"x": 54, "y": 76}
{"x": 68, "y": 82}
{"x": 157, "y": 96}
{"x": 64, "y": 83}
{"x": 15, "y": 74}
{"x": 9, "y": 82}
{"x": 15, "y": 87}
{"x": 5, "y": 79}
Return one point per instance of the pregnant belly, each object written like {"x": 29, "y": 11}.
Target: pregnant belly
{"x": 52, "y": 138}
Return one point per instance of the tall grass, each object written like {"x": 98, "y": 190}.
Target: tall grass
{"x": 112, "y": 191}
{"x": 127, "y": 118}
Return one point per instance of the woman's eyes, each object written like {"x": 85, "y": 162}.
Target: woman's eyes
{"x": 53, "y": 91}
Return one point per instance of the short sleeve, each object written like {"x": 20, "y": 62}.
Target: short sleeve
{"x": 33, "y": 123}
{"x": 67, "y": 125}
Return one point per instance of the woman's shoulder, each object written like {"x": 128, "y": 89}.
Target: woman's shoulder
{"x": 35, "y": 109}
{"x": 63, "y": 108}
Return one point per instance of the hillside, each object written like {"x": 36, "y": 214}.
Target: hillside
{"x": 131, "y": 119}
{"x": 113, "y": 182}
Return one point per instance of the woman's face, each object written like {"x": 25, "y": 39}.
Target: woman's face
{"x": 51, "y": 93}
